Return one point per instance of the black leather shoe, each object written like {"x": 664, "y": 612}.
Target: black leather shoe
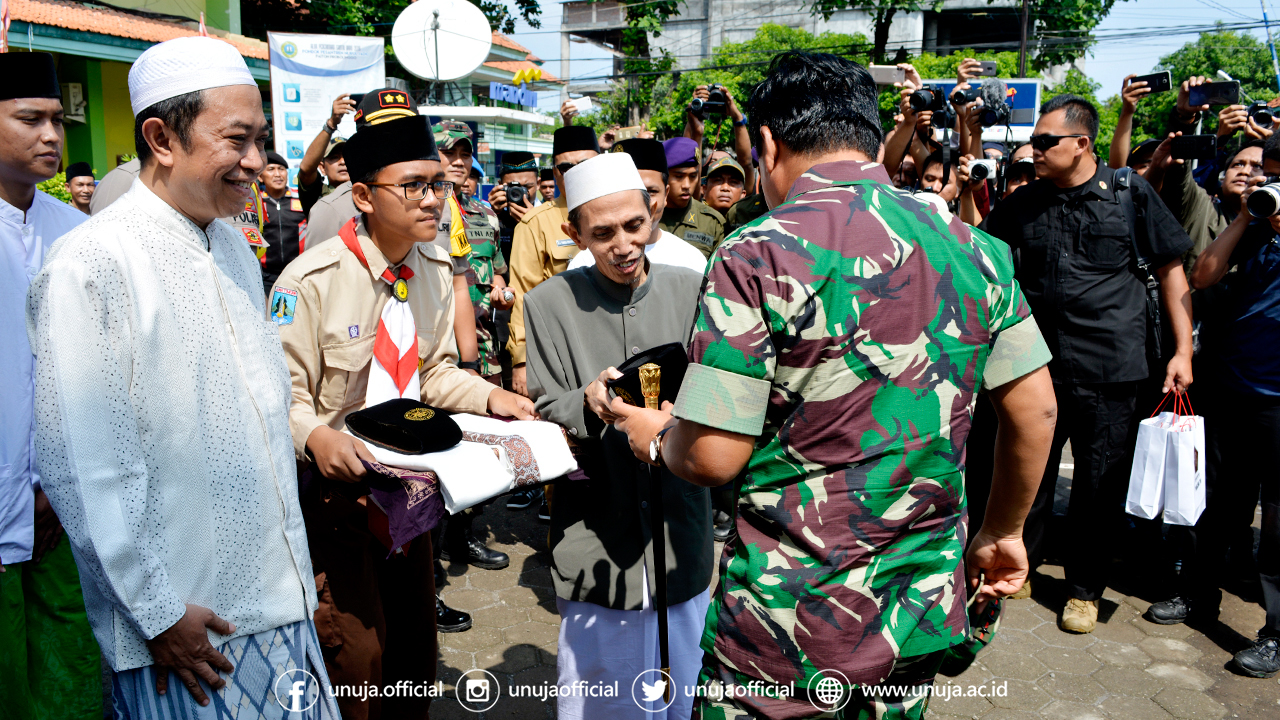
{"x": 475, "y": 553}
{"x": 1173, "y": 611}
{"x": 723, "y": 526}
{"x": 449, "y": 620}
{"x": 544, "y": 511}
{"x": 1260, "y": 661}
{"x": 521, "y": 500}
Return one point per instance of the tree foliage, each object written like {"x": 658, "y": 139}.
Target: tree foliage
{"x": 882, "y": 13}
{"x": 1060, "y": 31}
{"x": 57, "y": 187}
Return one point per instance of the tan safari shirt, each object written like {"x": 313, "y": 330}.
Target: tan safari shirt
{"x": 540, "y": 250}
{"x": 327, "y": 304}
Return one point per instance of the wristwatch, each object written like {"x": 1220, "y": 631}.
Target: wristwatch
{"x": 655, "y": 448}
{"x": 742, "y": 122}
{"x": 469, "y": 365}
{"x": 328, "y": 130}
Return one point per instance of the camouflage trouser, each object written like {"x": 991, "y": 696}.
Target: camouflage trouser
{"x": 913, "y": 672}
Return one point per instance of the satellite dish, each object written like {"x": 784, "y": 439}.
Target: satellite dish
{"x": 441, "y": 39}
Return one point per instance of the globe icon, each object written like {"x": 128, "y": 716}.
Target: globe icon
{"x": 828, "y": 690}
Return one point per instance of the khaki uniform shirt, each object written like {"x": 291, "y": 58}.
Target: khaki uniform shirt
{"x": 699, "y": 225}
{"x": 328, "y": 338}
{"x": 540, "y": 249}
{"x": 330, "y": 213}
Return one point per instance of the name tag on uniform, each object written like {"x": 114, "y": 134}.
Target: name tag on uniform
{"x": 698, "y": 238}
{"x": 565, "y": 242}
{"x": 480, "y": 233}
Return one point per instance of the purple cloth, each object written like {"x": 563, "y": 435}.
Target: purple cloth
{"x": 413, "y": 509}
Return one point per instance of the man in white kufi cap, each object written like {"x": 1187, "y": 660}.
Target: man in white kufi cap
{"x": 162, "y": 415}
{"x": 580, "y": 325}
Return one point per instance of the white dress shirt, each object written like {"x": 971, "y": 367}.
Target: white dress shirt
{"x": 668, "y": 250}
{"x": 162, "y": 427}
{"x": 24, "y": 238}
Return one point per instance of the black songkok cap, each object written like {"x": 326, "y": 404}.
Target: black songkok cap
{"x": 572, "y": 138}
{"x": 648, "y": 154}
{"x": 274, "y": 158}
{"x": 382, "y": 105}
{"x": 518, "y": 161}
{"x": 374, "y": 147}
{"x": 405, "y": 426}
{"x": 28, "y": 75}
{"x": 546, "y": 174}
{"x": 80, "y": 169}
{"x": 670, "y": 357}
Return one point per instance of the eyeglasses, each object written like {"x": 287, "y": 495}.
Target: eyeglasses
{"x": 565, "y": 167}
{"x": 417, "y": 189}
{"x": 1044, "y": 142}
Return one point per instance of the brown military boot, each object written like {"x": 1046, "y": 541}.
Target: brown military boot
{"x": 1024, "y": 592}
{"x": 1080, "y": 616}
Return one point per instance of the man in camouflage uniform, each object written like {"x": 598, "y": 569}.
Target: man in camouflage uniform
{"x": 686, "y": 217}
{"x": 840, "y": 344}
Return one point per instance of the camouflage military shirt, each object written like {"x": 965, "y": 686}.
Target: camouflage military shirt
{"x": 849, "y": 331}
{"x": 485, "y": 261}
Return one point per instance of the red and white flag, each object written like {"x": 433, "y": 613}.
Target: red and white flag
{"x": 204, "y": 31}
{"x": 4, "y": 26}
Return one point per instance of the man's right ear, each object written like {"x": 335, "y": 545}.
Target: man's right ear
{"x": 362, "y": 197}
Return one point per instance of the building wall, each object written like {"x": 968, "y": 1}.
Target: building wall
{"x": 117, "y": 113}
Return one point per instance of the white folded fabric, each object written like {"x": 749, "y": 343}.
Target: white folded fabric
{"x": 551, "y": 455}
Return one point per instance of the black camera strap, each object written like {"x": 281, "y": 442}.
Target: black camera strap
{"x": 1124, "y": 192}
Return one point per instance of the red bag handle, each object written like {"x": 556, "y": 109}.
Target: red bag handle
{"x": 1180, "y": 400}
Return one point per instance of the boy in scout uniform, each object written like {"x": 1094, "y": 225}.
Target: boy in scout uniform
{"x": 540, "y": 248}
{"x": 687, "y": 218}
{"x": 337, "y": 301}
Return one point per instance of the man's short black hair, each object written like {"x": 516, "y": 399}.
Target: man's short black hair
{"x": 935, "y": 158}
{"x": 1080, "y": 113}
{"x": 817, "y": 103}
{"x": 1245, "y": 146}
{"x": 1271, "y": 151}
{"x": 178, "y": 113}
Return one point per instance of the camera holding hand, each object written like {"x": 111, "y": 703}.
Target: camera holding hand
{"x": 517, "y": 194}
{"x": 982, "y": 169}
{"x": 928, "y": 97}
{"x": 717, "y": 103}
{"x": 1264, "y": 201}
{"x": 1261, "y": 114}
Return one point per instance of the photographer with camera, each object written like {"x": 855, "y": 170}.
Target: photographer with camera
{"x": 1243, "y": 441}
{"x": 514, "y": 195}
{"x": 1130, "y": 93}
{"x": 1074, "y": 252}
{"x": 1231, "y": 119}
{"x": 715, "y": 101}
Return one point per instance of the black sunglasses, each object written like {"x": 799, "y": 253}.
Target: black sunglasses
{"x": 565, "y": 167}
{"x": 1044, "y": 142}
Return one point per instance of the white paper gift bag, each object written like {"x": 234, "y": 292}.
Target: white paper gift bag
{"x": 1184, "y": 492}
{"x": 1146, "y": 478}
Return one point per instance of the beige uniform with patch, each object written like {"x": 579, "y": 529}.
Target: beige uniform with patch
{"x": 540, "y": 250}
{"x": 329, "y": 341}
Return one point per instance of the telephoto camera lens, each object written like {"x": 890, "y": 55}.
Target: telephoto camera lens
{"x": 926, "y": 98}
{"x": 1264, "y": 202}
{"x": 964, "y": 96}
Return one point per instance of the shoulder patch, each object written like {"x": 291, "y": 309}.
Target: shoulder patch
{"x": 283, "y": 303}
{"x": 295, "y": 205}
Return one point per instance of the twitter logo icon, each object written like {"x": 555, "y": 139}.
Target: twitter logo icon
{"x": 650, "y": 689}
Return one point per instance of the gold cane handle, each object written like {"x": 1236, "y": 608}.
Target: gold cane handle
{"x": 650, "y": 384}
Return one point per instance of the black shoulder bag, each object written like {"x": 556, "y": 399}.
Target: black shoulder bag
{"x": 1155, "y": 319}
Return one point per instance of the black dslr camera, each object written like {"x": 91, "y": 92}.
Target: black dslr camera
{"x": 1262, "y": 114}
{"x": 928, "y": 98}
{"x": 517, "y": 194}
{"x": 1264, "y": 202}
{"x": 717, "y": 103}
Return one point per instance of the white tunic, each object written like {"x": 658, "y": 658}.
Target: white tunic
{"x": 24, "y": 239}
{"x": 668, "y": 250}
{"x": 162, "y": 427}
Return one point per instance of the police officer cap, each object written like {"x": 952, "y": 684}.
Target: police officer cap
{"x": 382, "y": 105}
{"x": 80, "y": 169}
{"x": 28, "y": 75}
{"x": 681, "y": 152}
{"x": 405, "y": 426}
{"x": 518, "y": 161}
{"x": 403, "y": 139}
{"x": 648, "y": 153}
{"x": 572, "y": 138}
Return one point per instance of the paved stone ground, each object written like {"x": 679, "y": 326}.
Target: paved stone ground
{"x": 1127, "y": 669}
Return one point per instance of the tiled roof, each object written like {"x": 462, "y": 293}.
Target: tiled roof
{"x": 515, "y": 66}
{"x": 506, "y": 42}
{"x": 75, "y": 16}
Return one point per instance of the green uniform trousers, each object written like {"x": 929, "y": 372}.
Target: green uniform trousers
{"x": 49, "y": 661}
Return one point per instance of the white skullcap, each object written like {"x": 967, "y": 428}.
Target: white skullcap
{"x": 601, "y": 175}
{"x": 183, "y": 65}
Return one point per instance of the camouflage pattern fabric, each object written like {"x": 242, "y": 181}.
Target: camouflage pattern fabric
{"x": 486, "y": 261}
{"x": 849, "y": 331}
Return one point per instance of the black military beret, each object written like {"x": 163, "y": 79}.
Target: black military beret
{"x": 405, "y": 426}
{"x": 673, "y": 360}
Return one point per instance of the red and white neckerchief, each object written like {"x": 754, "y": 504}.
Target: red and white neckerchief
{"x": 394, "y": 370}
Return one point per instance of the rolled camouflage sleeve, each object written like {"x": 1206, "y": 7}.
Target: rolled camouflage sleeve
{"x": 1017, "y": 347}
{"x": 732, "y": 357}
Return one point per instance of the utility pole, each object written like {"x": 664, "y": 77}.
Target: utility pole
{"x": 564, "y": 67}
{"x": 1022, "y": 41}
{"x": 1275, "y": 64}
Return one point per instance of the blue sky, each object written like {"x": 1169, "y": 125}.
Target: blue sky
{"x": 1109, "y": 62}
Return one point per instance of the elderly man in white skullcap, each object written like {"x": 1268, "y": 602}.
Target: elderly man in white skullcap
{"x": 162, "y": 415}
{"x": 581, "y": 325}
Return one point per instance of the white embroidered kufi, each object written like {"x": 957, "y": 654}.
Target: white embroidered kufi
{"x": 184, "y": 65}
{"x": 601, "y": 175}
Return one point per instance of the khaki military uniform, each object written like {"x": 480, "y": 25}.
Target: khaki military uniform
{"x": 744, "y": 211}
{"x": 540, "y": 249}
{"x": 699, "y": 225}
{"x": 329, "y": 336}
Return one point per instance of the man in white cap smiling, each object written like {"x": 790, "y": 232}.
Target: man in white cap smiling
{"x": 581, "y": 324}
{"x": 162, "y": 415}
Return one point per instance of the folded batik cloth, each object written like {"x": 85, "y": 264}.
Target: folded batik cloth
{"x": 413, "y": 507}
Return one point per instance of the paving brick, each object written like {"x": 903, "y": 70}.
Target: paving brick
{"x": 1015, "y": 666}
{"x": 1068, "y": 660}
{"x": 448, "y": 708}
{"x": 477, "y": 638}
{"x": 532, "y": 633}
{"x": 544, "y": 614}
{"x": 1177, "y": 632}
{"x": 491, "y": 579}
{"x": 1042, "y": 612}
{"x": 1123, "y": 707}
{"x": 1051, "y": 634}
{"x": 500, "y": 616}
{"x": 524, "y": 597}
{"x": 1008, "y": 714}
{"x": 1017, "y": 615}
{"x": 1180, "y": 675}
{"x": 1072, "y": 688}
{"x": 1129, "y": 681}
{"x": 1020, "y": 695}
{"x": 1170, "y": 650}
{"x": 1119, "y": 654}
{"x": 468, "y": 600}
{"x": 962, "y": 706}
{"x": 1184, "y": 703}
{"x": 1062, "y": 710}
{"x": 1019, "y": 641}
{"x": 507, "y": 658}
